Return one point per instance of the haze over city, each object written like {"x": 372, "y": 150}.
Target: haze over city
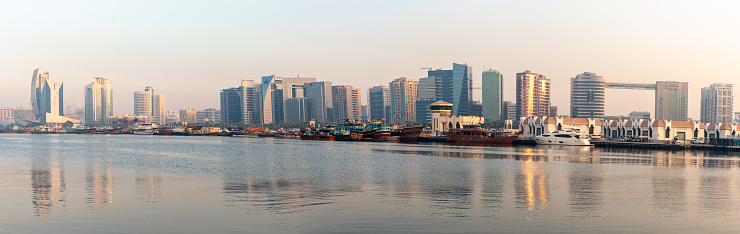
{"x": 189, "y": 51}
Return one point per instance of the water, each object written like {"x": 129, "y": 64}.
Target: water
{"x": 134, "y": 184}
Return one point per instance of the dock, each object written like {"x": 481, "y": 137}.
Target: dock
{"x": 664, "y": 146}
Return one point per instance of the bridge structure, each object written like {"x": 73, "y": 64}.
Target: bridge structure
{"x": 616, "y": 85}
{"x": 671, "y": 97}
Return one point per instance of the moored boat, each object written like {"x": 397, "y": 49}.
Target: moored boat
{"x": 563, "y": 137}
{"x": 411, "y": 134}
{"x": 475, "y": 134}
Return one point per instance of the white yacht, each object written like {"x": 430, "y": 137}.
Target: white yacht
{"x": 144, "y": 129}
{"x": 563, "y": 137}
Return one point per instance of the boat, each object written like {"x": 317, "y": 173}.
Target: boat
{"x": 317, "y": 135}
{"x": 144, "y": 129}
{"x": 411, "y": 134}
{"x": 563, "y": 137}
{"x": 476, "y": 134}
{"x": 382, "y": 133}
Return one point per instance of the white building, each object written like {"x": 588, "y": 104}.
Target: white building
{"x": 534, "y": 126}
{"x": 716, "y": 103}
{"x": 443, "y": 120}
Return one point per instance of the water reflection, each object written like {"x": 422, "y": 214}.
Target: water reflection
{"x": 715, "y": 197}
{"x": 669, "y": 192}
{"x": 148, "y": 185}
{"x": 585, "y": 192}
{"x": 99, "y": 179}
{"x": 47, "y": 182}
{"x": 531, "y": 187}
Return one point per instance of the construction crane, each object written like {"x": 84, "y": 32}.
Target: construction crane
{"x": 426, "y": 68}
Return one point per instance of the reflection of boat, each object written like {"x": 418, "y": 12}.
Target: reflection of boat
{"x": 411, "y": 134}
{"x": 475, "y": 134}
{"x": 563, "y": 137}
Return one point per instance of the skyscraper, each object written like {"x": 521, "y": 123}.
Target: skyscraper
{"x": 299, "y": 110}
{"x": 455, "y": 86}
{"x": 52, "y": 100}
{"x": 347, "y": 102}
{"x": 379, "y": 99}
{"x": 208, "y": 115}
{"x": 716, "y": 103}
{"x": 242, "y": 104}
{"x": 587, "y": 96}
{"x": 321, "y": 93}
{"x": 37, "y": 85}
{"x": 532, "y": 95}
{"x": 93, "y": 105}
{"x": 272, "y": 99}
{"x": 98, "y": 101}
{"x": 189, "y": 116}
{"x": 672, "y": 100}
{"x": 509, "y": 111}
{"x": 493, "y": 95}
{"x": 143, "y": 103}
{"x": 159, "y": 110}
{"x": 403, "y": 100}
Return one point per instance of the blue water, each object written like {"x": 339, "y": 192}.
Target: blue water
{"x": 150, "y": 184}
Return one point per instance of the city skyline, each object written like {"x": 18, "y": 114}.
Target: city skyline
{"x": 135, "y": 47}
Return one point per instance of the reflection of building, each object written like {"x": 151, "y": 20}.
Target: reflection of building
{"x": 532, "y": 95}
{"x": 531, "y": 187}
{"x": 716, "y": 103}
{"x": 443, "y": 120}
{"x": 148, "y": 186}
{"x": 99, "y": 183}
{"x": 48, "y": 184}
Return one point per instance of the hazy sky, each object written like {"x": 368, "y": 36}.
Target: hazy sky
{"x": 190, "y": 50}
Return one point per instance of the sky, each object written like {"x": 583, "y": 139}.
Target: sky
{"x": 190, "y": 50}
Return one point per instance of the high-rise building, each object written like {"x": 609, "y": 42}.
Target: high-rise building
{"x": 159, "y": 110}
{"x": 493, "y": 95}
{"x": 98, "y": 101}
{"x": 321, "y": 93}
{"x": 189, "y": 116}
{"x": 379, "y": 100}
{"x": 639, "y": 115}
{"x": 52, "y": 100}
{"x": 172, "y": 117}
{"x": 143, "y": 103}
{"x": 208, "y": 115}
{"x": 403, "y": 100}
{"x": 293, "y": 88}
{"x": 93, "y": 105}
{"x": 737, "y": 117}
{"x": 272, "y": 99}
{"x": 553, "y": 111}
{"x": 476, "y": 108}
{"x": 427, "y": 88}
{"x": 455, "y": 86}
{"x": 365, "y": 113}
{"x": 509, "y": 111}
{"x": 423, "y": 111}
{"x": 716, "y": 103}
{"x": 672, "y": 100}
{"x": 347, "y": 102}
{"x": 532, "y": 95}
{"x": 299, "y": 110}
{"x": 6, "y": 116}
{"x": 587, "y": 96}
{"x": 37, "y": 85}
{"x": 242, "y": 104}
{"x": 106, "y": 97}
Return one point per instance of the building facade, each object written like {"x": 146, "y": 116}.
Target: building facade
{"x": 639, "y": 115}
{"x": 443, "y": 120}
{"x": 272, "y": 99}
{"x": 299, "y": 110}
{"x": 587, "y": 96}
{"x": 52, "y": 100}
{"x": 210, "y": 115}
{"x": 716, "y": 103}
{"x": 346, "y": 102}
{"x": 532, "y": 95}
{"x": 189, "y": 116}
{"x": 672, "y": 100}
{"x": 379, "y": 100}
{"x": 455, "y": 86}
{"x": 509, "y": 111}
{"x": 159, "y": 110}
{"x": 242, "y": 104}
{"x": 37, "y": 85}
{"x": 493, "y": 95}
{"x": 321, "y": 93}
{"x": 403, "y": 100}
{"x": 93, "y": 105}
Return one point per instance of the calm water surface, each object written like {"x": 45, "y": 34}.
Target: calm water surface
{"x": 125, "y": 183}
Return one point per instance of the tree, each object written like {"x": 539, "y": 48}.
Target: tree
{"x": 68, "y": 124}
